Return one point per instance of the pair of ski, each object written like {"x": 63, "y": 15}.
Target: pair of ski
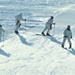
{"x": 43, "y": 35}
{"x": 66, "y": 48}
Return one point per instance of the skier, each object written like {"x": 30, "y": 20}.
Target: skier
{"x": 18, "y": 19}
{"x": 17, "y": 26}
{"x": 67, "y": 36}
{"x": 48, "y": 26}
{"x": 1, "y": 32}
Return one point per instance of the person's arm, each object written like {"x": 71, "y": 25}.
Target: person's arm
{"x": 65, "y": 33}
{"x": 53, "y": 23}
{"x": 23, "y": 19}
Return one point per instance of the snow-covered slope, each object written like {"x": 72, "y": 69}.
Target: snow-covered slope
{"x": 29, "y": 54}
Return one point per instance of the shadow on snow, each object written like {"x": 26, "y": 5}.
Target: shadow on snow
{"x": 55, "y": 40}
{"x": 58, "y": 42}
{"x": 23, "y": 40}
{"x": 34, "y": 20}
{"x": 71, "y": 51}
{"x": 2, "y": 52}
{"x": 30, "y": 26}
{"x": 27, "y": 27}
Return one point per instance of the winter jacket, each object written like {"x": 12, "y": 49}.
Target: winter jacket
{"x": 49, "y": 23}
{"x": 19, "y": 17}
{"x": 68, "y": 33}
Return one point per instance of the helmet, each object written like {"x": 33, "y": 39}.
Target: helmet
{"x": 52, "y": 17}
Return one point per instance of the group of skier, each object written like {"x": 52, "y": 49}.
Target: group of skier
{"x": 48, "y": 26}
{"x": 67, "y": 32}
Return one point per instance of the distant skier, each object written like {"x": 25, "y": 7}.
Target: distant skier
{"x": 67, "y": 36}
{"x": 1, "y": 32}
{"x": 18, "y": 19}
{"x": 48, "y": 26}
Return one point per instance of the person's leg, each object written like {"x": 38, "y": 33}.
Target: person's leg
{"x": 44, "y": 30}
{"x": 48, "y": 31}
{"x": 70, "y": 44}
{"x": 16, "y": 30}
{"x": 64, "y": 39}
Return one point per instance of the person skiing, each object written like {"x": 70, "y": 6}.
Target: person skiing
{"x": 48, "y": 26}
{"x": 17, "y": 26}
{"x": 18, "y": 19}
{"x": 67, "y": 36}
{"x": 1, "y": 32}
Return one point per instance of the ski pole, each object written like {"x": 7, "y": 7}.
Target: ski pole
{"x": 54, "y": 30}
{"x": 25, "y": 22}
{"x": 3, "y": 39}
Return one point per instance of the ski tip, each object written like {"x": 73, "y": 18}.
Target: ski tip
{"x": 40, "y": 34}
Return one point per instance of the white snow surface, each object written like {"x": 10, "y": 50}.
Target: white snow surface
{"x": 28, "y": 53}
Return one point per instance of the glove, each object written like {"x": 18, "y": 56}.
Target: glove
{"x": 54, "y": 23}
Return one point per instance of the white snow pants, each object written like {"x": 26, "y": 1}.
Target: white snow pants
{"x": 17, "y": 27}
{"x": 69, "y": 41}
{"x": 47, "y": 27}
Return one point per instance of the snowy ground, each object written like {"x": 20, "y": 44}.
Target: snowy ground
{"x": 29, "y": 54}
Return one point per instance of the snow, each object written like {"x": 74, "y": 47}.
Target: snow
{"x": 30, "y": 54}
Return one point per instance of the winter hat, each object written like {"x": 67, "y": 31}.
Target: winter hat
{"x": 68, "y": 26}
{"x": 52, "y": 17}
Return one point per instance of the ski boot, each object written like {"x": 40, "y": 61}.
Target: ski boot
{"x": 70, "y": 47}
{"x": 62, "y": 46}
{"x": 43, "y": 33}
{"x": 48, "y": 34}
